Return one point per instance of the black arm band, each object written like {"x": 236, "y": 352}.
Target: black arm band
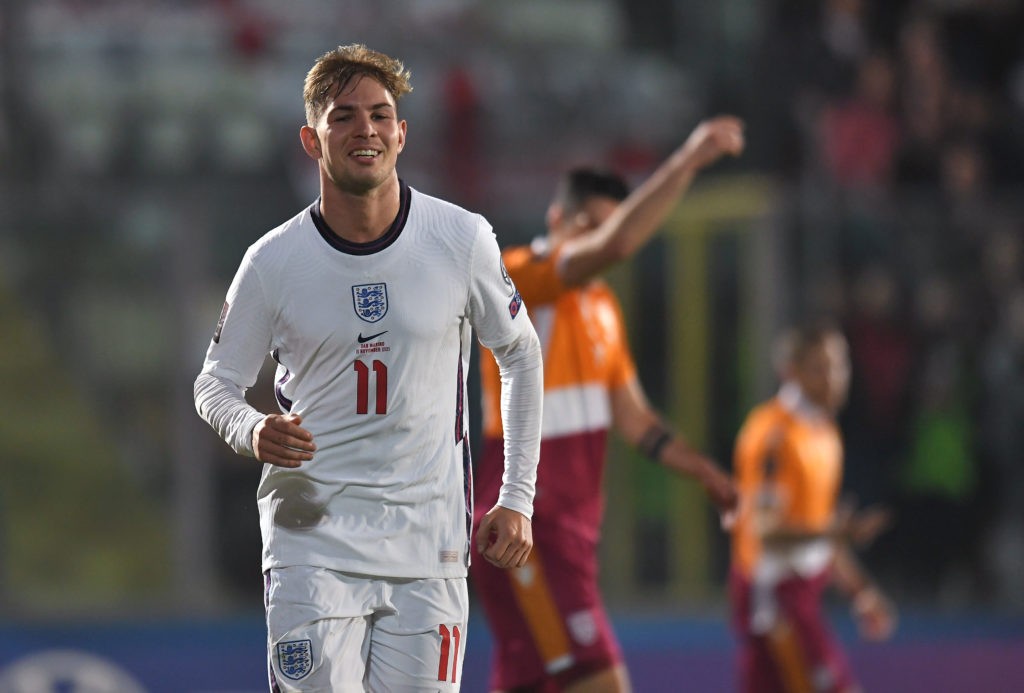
{"x": 654, "y": 441}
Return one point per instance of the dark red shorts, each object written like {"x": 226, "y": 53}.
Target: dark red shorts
{"x": 549, "y": 625}
{"x": 800, "y": 652}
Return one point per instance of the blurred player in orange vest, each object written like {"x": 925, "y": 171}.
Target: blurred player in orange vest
{"x": 792, "y": 538}
{"x": 550, "y": 627}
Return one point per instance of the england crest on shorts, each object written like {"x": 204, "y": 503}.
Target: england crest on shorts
{"x": 295, "y": 658}
{"x": 370, "y": 301}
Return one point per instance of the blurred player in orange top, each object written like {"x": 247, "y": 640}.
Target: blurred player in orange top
{"x": 550, "y": 627}
{"x": 791, "y": 538}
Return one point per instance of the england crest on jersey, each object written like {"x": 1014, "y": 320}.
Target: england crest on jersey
{"x": 295, "y": 658}
{"x": 370, "y": 301}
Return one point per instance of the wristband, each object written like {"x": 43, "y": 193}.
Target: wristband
{"x": 654, "y": 441}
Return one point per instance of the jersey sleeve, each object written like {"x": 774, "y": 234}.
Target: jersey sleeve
{"x": 496, "y": 308}
{"x": 536, "y": 275}
{"x": 236, "y": 353}
{"x": 497, "y": 313}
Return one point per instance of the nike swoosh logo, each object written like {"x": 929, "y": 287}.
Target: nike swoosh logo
{"x": 363, "y": 340}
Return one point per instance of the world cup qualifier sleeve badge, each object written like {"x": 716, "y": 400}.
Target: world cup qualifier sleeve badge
{"x": 370, "y": 301}
{"x": 517, "y": 301}
{"x": 295, "y": 658}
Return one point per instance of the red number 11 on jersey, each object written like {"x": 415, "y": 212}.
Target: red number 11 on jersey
{"x": 380, "y": 374}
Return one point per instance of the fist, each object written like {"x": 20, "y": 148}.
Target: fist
{"x": 714, "y": 138}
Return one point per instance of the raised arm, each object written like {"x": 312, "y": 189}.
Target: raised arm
{"x": 641, "y": 214}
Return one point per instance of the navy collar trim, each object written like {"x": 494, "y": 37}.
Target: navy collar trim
{"x": 374, "y": 246}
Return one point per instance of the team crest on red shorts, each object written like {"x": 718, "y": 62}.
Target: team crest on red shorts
{"x": 583, "y": 627}
{"x": 295, "y": 658}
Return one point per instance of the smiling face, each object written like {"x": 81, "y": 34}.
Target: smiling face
{"x": 357, "y": 137}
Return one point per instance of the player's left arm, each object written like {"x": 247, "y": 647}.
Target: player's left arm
{"x": 873, "y": 611}
{"x": 641, "y": 426}
{"x": 505, "y": 536}
{"x": 502, "y": 324}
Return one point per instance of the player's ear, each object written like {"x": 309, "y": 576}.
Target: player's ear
{"x": 402, "y": 128}
{"x": 310, "y": 142}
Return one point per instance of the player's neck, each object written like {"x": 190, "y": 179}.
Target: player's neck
{"x": 360, "y": 217}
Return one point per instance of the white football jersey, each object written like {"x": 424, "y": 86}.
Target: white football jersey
{"x": 372, "y": 343}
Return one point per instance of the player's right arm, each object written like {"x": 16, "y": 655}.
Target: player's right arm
{"x": 233, "y": 360}
{"x": 272, "y": 438}
{"x": 643, "y": 212}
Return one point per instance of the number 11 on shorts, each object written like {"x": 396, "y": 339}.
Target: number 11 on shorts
{"x": 449, "y": 652}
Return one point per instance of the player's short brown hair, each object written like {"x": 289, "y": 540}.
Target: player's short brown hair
{"x": 336, "y": 68}
{"x": 811, "y": 335}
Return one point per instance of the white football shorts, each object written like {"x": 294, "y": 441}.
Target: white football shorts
{"x": 347, "y": 633}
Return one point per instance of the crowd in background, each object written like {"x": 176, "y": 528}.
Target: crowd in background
{"x": 908, "y": 144}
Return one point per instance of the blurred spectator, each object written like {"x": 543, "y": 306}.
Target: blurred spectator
{"x": 843, "y": 30}
{"x": 463, "y": 164}
{"x": 925, "y": 92}
{"x": 250, "y": 32}
{"x": 963, "y": 169}
{"x": 1002, "y": 262}
{"x": 860, "y": 134}
{"x": 882, "y": 354}
{"x": 934, "y": 137}
{"x": 937, "y": 484}
{"x": 1002, "y": 370}
{"x": 837, "y": 43}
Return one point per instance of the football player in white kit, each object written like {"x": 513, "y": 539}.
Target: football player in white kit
{"x": 367, "y": 300}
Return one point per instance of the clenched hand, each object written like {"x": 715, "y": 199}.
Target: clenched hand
{"x": 505, "y": 537}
